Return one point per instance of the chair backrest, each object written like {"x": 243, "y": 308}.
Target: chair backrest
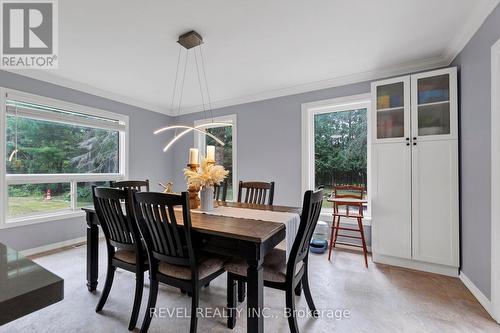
{"x": 348, "y": 191}
{"x": 220, "y": 191}
{"x": 311, "y": 208}
{"x": 137, "y": 185}
{"x": 115, "y": 213}
{"x": 256, "y": 192}
{"x": 166, "y": 238}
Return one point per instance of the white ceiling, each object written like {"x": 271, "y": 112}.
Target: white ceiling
{"x": 127, "y": 50}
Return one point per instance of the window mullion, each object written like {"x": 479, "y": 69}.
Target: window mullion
{"x": 74, "y": 195}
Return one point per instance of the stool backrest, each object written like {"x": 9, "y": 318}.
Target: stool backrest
{"x": 348, "y": 191}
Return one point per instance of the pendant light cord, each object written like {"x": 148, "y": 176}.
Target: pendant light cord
{"x": 206, "y": 82}
{"x": 199, "y": 82}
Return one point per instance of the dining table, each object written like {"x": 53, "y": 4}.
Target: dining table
{"x": 229, "y": 236}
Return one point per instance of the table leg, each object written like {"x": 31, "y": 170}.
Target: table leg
{"x": 92, "y": 253}
{"x": 255, "y": 297}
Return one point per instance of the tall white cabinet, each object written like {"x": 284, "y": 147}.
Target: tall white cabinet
{"x": 415, "y": 172}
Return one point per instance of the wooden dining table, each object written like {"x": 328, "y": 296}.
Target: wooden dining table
{"x": 232, "y": 237}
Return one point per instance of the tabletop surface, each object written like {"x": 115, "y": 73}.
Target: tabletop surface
{"x": 24, "y": 285}
{"x": 238, "y": 228}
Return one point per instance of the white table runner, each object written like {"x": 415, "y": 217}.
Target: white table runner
{"x": 290, "y": 220}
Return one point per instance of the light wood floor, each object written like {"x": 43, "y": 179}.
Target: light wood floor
{"x": 379, "y": 299}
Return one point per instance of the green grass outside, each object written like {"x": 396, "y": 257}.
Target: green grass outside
{"x": 19, "y": 206}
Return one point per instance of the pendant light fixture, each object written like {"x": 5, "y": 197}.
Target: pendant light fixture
{"x": 191, "y": 40}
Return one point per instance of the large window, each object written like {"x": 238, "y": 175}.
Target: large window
{"x": 53, "y": 153}
{"x": 224, "y": 155}
{"x": 337, "y": 151}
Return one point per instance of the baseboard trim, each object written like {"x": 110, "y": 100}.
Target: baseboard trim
{"x": 481, "y": 298}
{"x": 416, "y": 265}
{"x": 55, "y": 246}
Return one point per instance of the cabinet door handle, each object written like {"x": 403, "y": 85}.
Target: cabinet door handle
{"x": 414, "y": 138}
{"x": 414, "y": 143}
{"x": 407, "y": 143}
{"x": 407, "y": 139}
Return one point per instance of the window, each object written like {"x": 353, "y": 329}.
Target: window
{"x": 336, "y": 145}
{"x": 224, "y": 155}
{"x": 53, "y": 153}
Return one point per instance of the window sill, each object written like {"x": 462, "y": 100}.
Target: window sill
{"x": 28, "y": 220}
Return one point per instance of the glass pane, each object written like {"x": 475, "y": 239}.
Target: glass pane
{"x": 33, "y": 199}
{"x": 84, "y": 193}
{"x": 434, "y": 119}
{"x": 390, "y": 124}
{"x": 52, "y": 148}
{"x": 390, "y": 111}
{"x": 390, "y": 96}
{"x": 224, "y": 154}
{"x": 340, "y": 146}
{"x": 434, "y": 105}
{"x": 434, "y": 89}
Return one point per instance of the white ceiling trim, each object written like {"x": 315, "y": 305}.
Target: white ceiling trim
{"x": 71, "y": 84}
{"x": 475, "y": 21}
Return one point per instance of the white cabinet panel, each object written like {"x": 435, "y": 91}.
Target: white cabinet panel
{"x": 391, "y": 199}
{"x": 435, "y": 202}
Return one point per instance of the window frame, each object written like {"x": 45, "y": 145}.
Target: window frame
{"x": 309, "y": 110}
{"x": 73, "y": 179}
{"x": 200, "y": 143}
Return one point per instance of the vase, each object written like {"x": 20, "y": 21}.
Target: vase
{"x": 207, "y": 198}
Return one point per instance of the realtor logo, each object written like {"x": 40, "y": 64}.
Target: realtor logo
{"x": 29, "y": 34}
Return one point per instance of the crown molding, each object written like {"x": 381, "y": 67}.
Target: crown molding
{"x": 44, "y": 75}
{"x": 401, "y": 69}
{"x": 471, "y": 26}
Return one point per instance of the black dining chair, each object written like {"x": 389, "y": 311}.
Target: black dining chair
{"x": 220, "y": 191}
{"x": 123, "y": 242}
{"x": 254, "y": 192}
{"x": 260, "y": 193}
{"x": 171, "y": 257}
{"x": 137, "y": 185}
{"x": 278, "y": 273}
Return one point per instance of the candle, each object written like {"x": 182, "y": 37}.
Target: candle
{"x": 193, "y": 156}
{"x": 211, "y": 153}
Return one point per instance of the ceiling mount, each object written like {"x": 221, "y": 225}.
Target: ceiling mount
{"x": 190, "y": 39}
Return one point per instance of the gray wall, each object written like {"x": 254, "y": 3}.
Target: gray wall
{"x": 474, "y": 64}
{"x": 145, "y": 157}
{"x": 269, "y": 140}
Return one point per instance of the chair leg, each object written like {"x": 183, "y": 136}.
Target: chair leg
{"x": 336, "y": 231}
{"x": 194, "y": 309}
{"x": 307, "y": 294}
{"x": 241, "y": 291}
{"x": 153, "y": 294}
{"x": 333, "y": 237}
{"x": 231, "y": 301}
{"x": 298, "y": 289}
{"x": 290, "y": 304}
{"x": 110, "y": 274}
{"x": 139, "y": 285}
{"x": 363, "y": 242}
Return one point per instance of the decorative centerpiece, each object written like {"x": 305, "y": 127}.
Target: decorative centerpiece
{"x": 203, "y": 179}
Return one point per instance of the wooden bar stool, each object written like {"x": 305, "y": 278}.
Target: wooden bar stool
{"x": 348, "y": 196}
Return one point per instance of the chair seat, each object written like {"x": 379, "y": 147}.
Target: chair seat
{"x": 206, "y": 267}
{"x": 274, "y": 266}
{"x": 126, "y": 256}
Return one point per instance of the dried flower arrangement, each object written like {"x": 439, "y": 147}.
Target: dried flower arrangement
{"x": 209, "y": 175}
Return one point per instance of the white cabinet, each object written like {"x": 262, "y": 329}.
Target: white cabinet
{"x": 415, "y": 171}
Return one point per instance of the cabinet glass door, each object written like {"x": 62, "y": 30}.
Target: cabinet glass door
{"x": 390, "y": 100}
{"x": 433, "y": 105}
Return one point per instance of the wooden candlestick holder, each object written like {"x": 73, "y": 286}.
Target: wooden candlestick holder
{"x": 194, "y": 198}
